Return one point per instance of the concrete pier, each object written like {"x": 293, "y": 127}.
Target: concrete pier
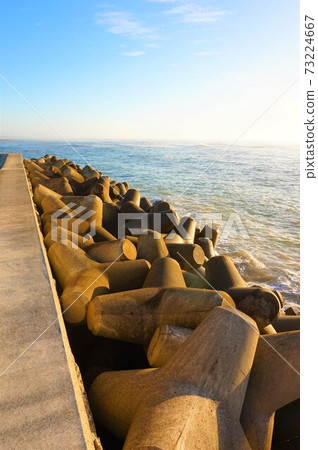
{"x": 42, "y": 400}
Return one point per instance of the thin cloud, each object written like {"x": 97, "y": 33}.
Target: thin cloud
{"x": 195, "y": 13}
{"x": 123, "y": 23}
{"x": 152, "y": 45}
{"x": 135, "y": 53}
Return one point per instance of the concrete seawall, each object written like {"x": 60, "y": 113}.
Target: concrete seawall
{"x": 42, "y": 401}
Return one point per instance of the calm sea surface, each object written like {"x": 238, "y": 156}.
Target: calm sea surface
{"x": 251, "y": 192}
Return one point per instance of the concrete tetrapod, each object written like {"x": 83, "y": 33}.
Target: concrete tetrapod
{"x": 119, "y": 250}
{"x": 36, "y": 177}
{"x": 266, "y": 392}
{"x": 187, "y": 255}
{"x": 194, "y": 401}
{"x": 273, "y": 384}
{"x": 151, "y": 246}
{"x": 114, "y": 192}
{"x": 187, "y": 228}
{"x": 84, "y": 188}
{"x": 269, "y": 329}
{"x": 162, "y": 222}
{"x": 59, "y": 185}
{"x": 173, "y": 238}
{"x": 79, "y": 210}
{"x": 164, "y": 272}
{"x": 133, "y": 316}
{"x": 81, "y": 214}
{"x": 102, "y": 235}
{"x": 130, "y": 207}
{"x": 133, "y": 239}
{"x": 65, "y": 236}
{"x": 102, "y": 191}
{"x": 263, "y": 305}
{"x": 51, "y": 204}
{"x": 78, "y": 278}
{"x": 286, "y": 323}
{"x": 165, "y": 342}
{"x": 145, "y": 204}
{"x": 72, "y": 174}
{"x": 40, "y": 192}
{"x": 193, "y": 280}
{"x": 78, "y": 274}
{"x": 32, "y": 166}
{"x": 88, "y": 172}
{"x": 132, "y": 195}
{"x": 161, "y": 205}
{"x": 206, "y": 245}
{"x": 68, "y": 223}
{"x": 110, "y": 217}
{"x": 221, "y": 271}
{"x": 87, "y": 203}
{"x": 122, "y": 188}
{"x": 53, "y": 171}
{"x": 212, "y": 232}
{"x": 126, "y": 275}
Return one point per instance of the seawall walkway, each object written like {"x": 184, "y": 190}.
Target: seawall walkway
{"x": 42, "y": 404}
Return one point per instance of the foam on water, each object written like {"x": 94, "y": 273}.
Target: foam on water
{"x": 256, "y": 187}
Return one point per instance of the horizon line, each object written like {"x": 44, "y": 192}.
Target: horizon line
{"x": 143, "y": 139}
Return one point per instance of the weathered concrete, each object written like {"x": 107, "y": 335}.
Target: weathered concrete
{"x": 79, "y": 278}
{"x": 151, "y": 247}
{"x": 164, "y": 272}
{"x": 194, "y": 401}
{"x": 286, "y": 323}
{"x": 41, "y": 396}
{"x": 165, "y": 342}
{"x": 274, "y": 383}
{"x": 133, "y": 316}
{"x": 187, "y": 255}
{"x": 263, "y": 305}
{"x": 108, "y": 251}
{"x": 82, "y": 278}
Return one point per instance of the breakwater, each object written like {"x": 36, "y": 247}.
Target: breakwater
{"x": 255, "y": 187}
{"x": 125, "y": 268}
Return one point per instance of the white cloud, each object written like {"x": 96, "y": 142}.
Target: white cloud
{"x": 121, "y": 22}
{"x": 152, "y": 45}
{"x": 189, "y": 12}
{"x": 135, "y": 53}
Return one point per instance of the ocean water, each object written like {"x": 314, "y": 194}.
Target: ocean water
{"x": 252, "y": 192}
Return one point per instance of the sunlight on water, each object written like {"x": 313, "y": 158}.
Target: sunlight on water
{"x": 257, "y": 188}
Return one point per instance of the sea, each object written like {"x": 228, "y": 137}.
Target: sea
{"x": 250, "y": 192}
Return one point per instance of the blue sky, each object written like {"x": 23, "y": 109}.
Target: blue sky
{"x": 150, "y": 69}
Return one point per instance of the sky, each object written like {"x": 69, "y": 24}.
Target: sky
{"x": 198, "y": 70}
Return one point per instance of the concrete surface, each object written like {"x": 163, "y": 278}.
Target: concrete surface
{"x": 42, "y": 401}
